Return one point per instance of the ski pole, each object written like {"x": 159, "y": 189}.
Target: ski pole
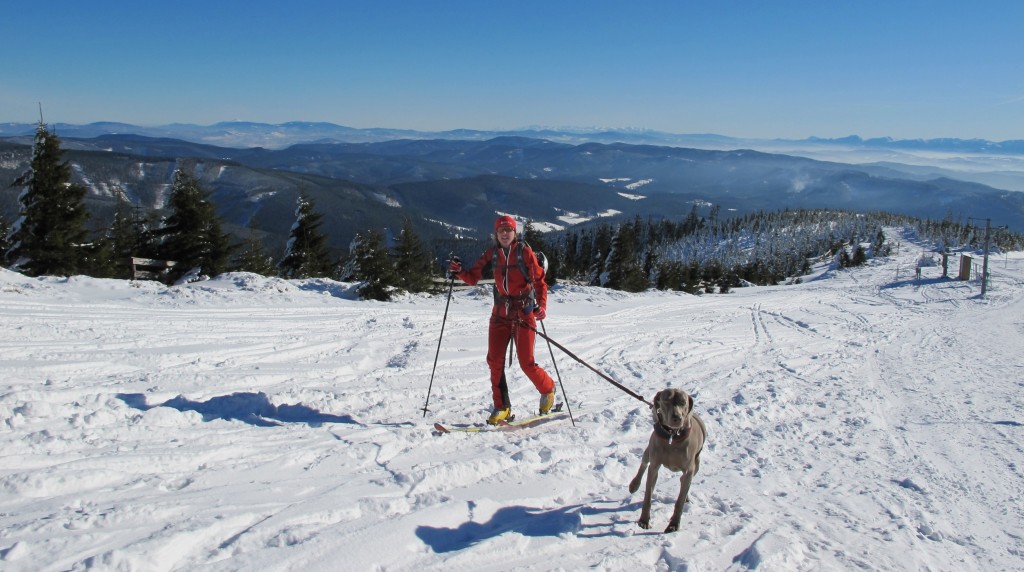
{"x": 552, "y": 352}
{"x": 451, "y": 285}
{"x": 590, "y": 367}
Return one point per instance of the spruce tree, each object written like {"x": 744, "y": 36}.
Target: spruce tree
{"x": 371, "y": 264}
{"x": 860, "y": 257}
{"x": 146, "y": 231}
{"x": 713, "y": 275}
{"x": 844, "y": 257}
{"x": 879, "y": 242}
{"x": 622, "y": 267}
{"x": 124, "y": 238}
{"x": 122, "y": 231}
{"x": 49, "y": 236}
{"x": 668, "y": 275}
{"x": 598, "y": 251}
{"x": 306, "y": 255}
{"x": 713, "y": 216}
{"x": 693, "y": 222}
{"x": 192, "y": 234}
{"x": 254, "y": 258}
{"x": 98, "y": 260}
{"x": 535, "y": 239}
{"x": 692, "y": 278}
{"x": 570, "y": 256}
{"x": 413, "y": 263}
{"x": 5, "y": 241}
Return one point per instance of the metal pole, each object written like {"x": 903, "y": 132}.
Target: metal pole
{"x": 984, "y": 265}
{"x": 439, "y": 338}
{"x": 554, "y": 363}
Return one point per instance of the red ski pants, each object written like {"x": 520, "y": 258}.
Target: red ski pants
{"x": 501, "y": 331}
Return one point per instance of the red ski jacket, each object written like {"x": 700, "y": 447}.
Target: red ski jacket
{"x": 510, "y": 283}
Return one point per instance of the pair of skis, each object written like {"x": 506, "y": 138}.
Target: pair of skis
{"x": 554, "y": 415}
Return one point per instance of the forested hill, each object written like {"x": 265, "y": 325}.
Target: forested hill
{"x": 455, "y": 187}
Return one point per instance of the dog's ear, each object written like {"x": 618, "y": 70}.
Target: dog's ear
{"x": 689, "y": 402}
{"x": 658, "y": 397}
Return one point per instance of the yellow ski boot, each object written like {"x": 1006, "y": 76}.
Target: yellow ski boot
{"x": 499, "y": 415}
{"x": 547, "y": 401}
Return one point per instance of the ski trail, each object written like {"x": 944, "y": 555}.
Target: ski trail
{"x": 855, "y": 421}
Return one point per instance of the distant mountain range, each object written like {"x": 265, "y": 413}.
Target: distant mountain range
{"x": 243, "y": 134}
{"x": 453, "y": 185}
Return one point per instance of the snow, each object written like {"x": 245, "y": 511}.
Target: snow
{"x": 572, "y": 217}
{"x": 638, "y": 184}
{"x": 546, "y": 226}
{"x": 389, "y": 201}
{"x": 632, "y": 197}
{"x": 863, "y": 419}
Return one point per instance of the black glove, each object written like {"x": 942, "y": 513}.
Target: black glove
{"x": 454, "y": 266}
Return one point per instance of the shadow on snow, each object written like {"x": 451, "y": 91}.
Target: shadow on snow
{"x": 523, "y": 520}
{"x": 252, "y": 408}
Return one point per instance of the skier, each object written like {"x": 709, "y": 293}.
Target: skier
{"x": 520, "y": 296}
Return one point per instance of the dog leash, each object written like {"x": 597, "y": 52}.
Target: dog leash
{"x": 590, "y": 367}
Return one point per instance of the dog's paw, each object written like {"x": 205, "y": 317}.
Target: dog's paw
{"x": 672, "y": 527}
{"x": 634, "y": 485}
{"x": 644, "y": 524}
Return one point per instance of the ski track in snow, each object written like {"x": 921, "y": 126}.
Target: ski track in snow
{"x": 859, "y": 420}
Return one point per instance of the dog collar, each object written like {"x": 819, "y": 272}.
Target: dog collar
{"x": 670, "y": 435}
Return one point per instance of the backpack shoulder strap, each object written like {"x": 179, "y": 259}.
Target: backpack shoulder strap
{"x": 520, "y": 262}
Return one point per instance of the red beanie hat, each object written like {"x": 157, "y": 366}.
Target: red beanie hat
{"x": 505, "y": 220}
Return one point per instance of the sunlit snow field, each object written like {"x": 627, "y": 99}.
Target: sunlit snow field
{"x": 864, "y": 419}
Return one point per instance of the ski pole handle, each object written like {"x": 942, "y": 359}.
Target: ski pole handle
{"x": 454, "y": 265}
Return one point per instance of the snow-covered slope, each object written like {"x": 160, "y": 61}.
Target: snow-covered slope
{"x": 862, "y": 420}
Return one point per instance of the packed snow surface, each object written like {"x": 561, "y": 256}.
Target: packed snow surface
{"x": 865, "y": 419}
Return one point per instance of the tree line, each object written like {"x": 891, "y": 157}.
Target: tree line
{"x": 695, "y": 254}
{"x": 709, "y": 254}
{"x": 50, "y": 237}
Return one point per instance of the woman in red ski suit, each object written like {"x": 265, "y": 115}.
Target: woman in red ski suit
{"x": 517, "y": 298}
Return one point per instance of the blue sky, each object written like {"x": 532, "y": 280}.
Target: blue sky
{"x": 789, "y": 69}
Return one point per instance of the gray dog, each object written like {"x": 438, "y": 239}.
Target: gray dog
{"x": 675, "y": 444}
